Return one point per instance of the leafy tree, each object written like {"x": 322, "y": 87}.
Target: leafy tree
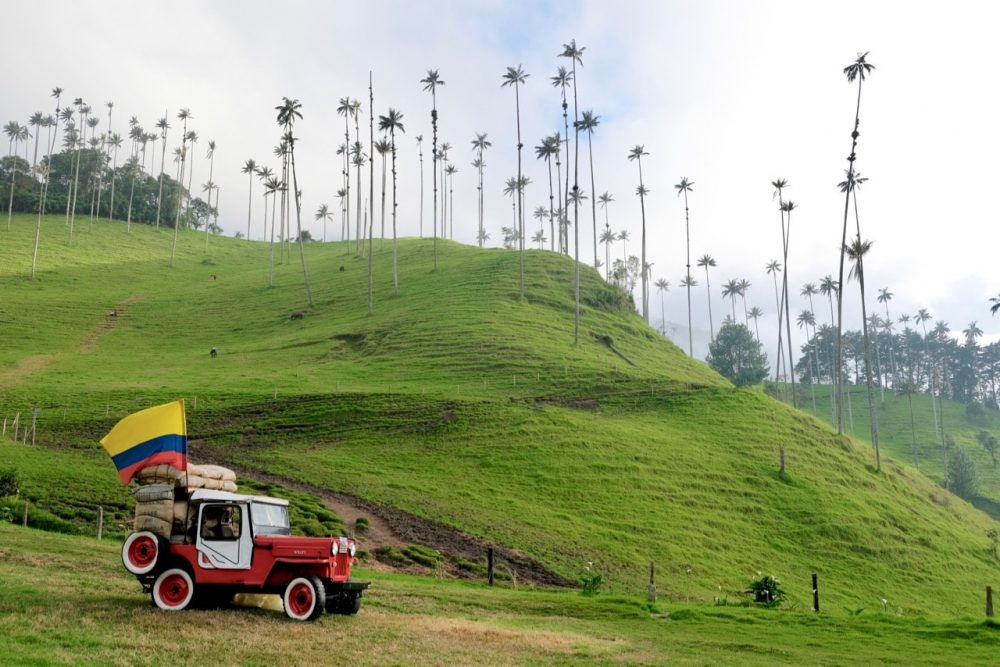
{"x": 736, "y": 355}
{"x": 990, "y": 444}
{"x": 962, "y": 477}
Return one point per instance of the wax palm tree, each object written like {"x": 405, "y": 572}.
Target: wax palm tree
{"x": 450, "y": 172}
{"x": 884, "y": 297}
{"x": 587, "y": 123}
{"x": 114, "y": 143}
{"x": 391, "y": 122}
{"x": 510, "y": 190}
{"x": 545, "y": 151}
{"x": 420, "y": 152}
{"x": 288, "y": 112}
{"x": 787, "y": 207}
{"x": 539, "y": 238}
{"x": 325, "y": 214}
{"x": 605, "y": 199}
{"x": 706, "y": 262}
{"x": 210, "y": 154}
{"x": 183, "y": 115}
{"x": 14, "y": 134}
{"x": 540, "y": 214}
{"x": 562, "y": 80}
{"x": 637, "y": 153}
{"x": 829, "y": 287}
{"x": 859, "y": 69}
{"x": 731, "y": 290}
{"x": 575, "y": 55}
{"x": 687, "y": 283}
{"x": 623, "y": 236}
{"x": 807, "y": 319}
{"x": 607, "y": 238}
{"x": 383, "y": 148}
{"x": 272, "y": 187}
{"x": 250, "y": 167}
{"x": 684, "y": 187}
{"x": 755, "y": 314}
{"x": 744, "y": 288}
{"x": 443, "y": 151}
{"x": 480, "y": 144}
{"x": 856, "y": 252}
{"x": 515, "y": 76}
{"x": 56, "y": 93}
{"x": 662, "y": 285}
{"x": 431, "y": 83}
{"x": 995, "y": 300}
{"x": 346, "y": 108}
{"x": 163, "y": 126}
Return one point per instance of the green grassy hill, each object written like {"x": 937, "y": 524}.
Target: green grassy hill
{"x": 916, "y": 442}
{"x": 459, "y": 402}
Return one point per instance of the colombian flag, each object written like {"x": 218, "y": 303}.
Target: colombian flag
{"x": 147, "y": 438}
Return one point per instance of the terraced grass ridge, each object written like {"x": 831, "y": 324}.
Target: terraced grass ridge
{"x": 457, "y": 401}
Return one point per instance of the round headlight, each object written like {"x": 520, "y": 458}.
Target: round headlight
{"x": 333, "y": 548}
{"x": 353, "y": 549}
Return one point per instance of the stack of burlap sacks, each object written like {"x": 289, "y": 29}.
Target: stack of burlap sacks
{"x": 161, "y": 500}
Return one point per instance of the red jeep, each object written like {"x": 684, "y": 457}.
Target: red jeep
{"x": 234, "y": 543}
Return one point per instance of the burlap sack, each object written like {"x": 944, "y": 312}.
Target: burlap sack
{"x": 160, "y": 509}
{"x": 152, "y": 524}
{"x": 151, "y": 492}
{"x": 229, "y": 486}
{"x": 217, "y": 472}
{"x": 180, "y": 511}
{"x": 162, "y": 472}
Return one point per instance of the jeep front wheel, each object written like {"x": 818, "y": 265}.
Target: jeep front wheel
{"x": 173, "y": 590}
{"x": 304, "y": 599}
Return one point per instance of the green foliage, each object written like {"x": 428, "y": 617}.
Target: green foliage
{"x": 989, "y": 443}
{"x": 361, "y": 525}
{"x": 590, "y": 581}
{"x": 963, "y": 479}
{"x": 10, "y": 483}
{"x": 737, "y": 355}
{"x": 766, "y": 591}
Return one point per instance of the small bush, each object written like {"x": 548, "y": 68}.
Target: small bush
{"x": 10, "y": 484}
{"x": 392, "y": 556}
{"x": 361, "y": 525}
{"x": 590, "y": 581}
{"x": 423, "y": 555}
{"x": 963, "y": 480}
{"x": 766, "y": 591}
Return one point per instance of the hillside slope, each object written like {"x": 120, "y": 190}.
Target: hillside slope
{"x": 459, "y": 402}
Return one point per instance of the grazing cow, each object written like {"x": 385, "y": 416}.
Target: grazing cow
{"x": 341, "y": 268}
{"x": 213, "y": 353}
{"x": 113, "y": 313}
{"x": 298, "y": 315}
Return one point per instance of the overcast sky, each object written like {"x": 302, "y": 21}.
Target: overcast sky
{"x": 731, "y": 94}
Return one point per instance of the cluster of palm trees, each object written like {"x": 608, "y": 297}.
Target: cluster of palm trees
{"x": 52, "y": 178}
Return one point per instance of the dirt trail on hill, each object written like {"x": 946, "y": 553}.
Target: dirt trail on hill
{"x": 24, "y": 368}
{"x": 391, "y": 527}
{"x": 106, "y": 325}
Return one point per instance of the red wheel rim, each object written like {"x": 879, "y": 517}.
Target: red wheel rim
{"x": 173, "y": 590}
{"x": 142, "y": 552}
{"x": 301, "y": 599}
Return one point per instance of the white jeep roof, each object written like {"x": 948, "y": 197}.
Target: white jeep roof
{"x": 206, "y": 494}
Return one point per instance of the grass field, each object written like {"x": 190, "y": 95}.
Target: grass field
{"x": 457, "y": 401}
{"x": 66, "y": 600}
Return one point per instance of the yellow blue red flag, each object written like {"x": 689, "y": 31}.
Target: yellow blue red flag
{"x": 149, "y": 437}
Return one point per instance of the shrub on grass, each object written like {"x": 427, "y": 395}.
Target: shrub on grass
{"x": 10, "y": 484}
{"x": 590, "y": 581}
{"x": 766, "y": 591}
{"x": 361, "y": 525}
{"x": 423, "y": 555}
{"x": 963, "y": 480}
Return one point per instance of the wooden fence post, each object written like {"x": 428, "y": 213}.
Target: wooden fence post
{"x": 100, "y": 521}
{"x": 815, "y": 593}
{"x": 34, "y": 422}
{"x": 989, "y": 601}
{"x": 24, "y": 520}
{"x": 489, "y": 565}
{"x": 782, "y": 455}
{"x": 4, "y": 428}
{"x": 652, "y": 582}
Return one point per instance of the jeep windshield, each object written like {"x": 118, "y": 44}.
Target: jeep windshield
{"x": 269, "y": 519}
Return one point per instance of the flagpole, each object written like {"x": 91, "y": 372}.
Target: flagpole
{"x": 184, "y": 419}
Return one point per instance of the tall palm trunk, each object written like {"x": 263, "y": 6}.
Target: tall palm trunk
{"x": 777, "y": 303}
{"x": 434, "y": 161}
{"x": 593, "y": 191}
{"x": 421, "y": 150}
{"x": 843, "y": 246}
{"x": 576, "y": 209}
{"x": 298, "y": 218}
{"x": 395, "y": 270}
{"x": 687, "y": 236}
{"x": 642, "y": 206}
{"x": 708, "y": 292}
{"x": 519, "y": 193}
{"x": 45, "y": 192}
{"x": 788, "y": 318}
{"x": 381, "y": 241}
{"x": 347, "y": 176}
{"x": 177, "y": 212}
{"x": 211, "y": 171}
{"x": 357, "y": 171}
{"x": 552, "y": 222}
{"x": 371, "y": 193}
{"x": 562, "y": 200}
{"x": 270, "y": 267}
{"x": 250, "y": 206}
{"x": 163, "y": 155}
